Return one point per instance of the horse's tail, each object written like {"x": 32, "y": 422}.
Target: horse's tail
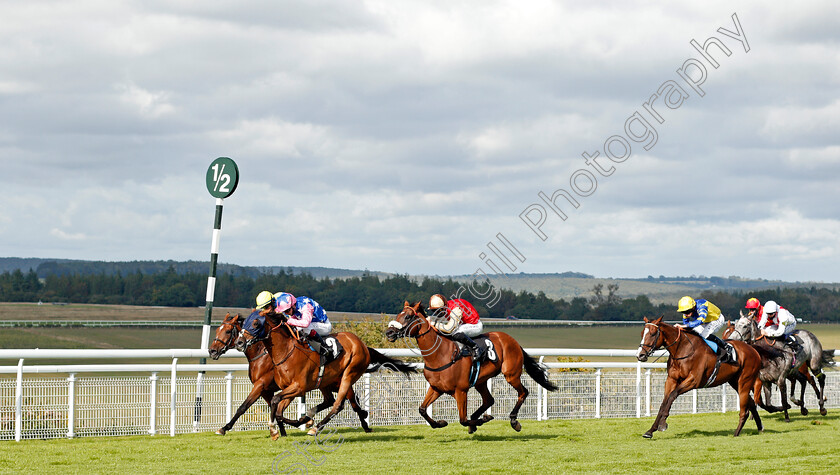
{"x": 537, "y": 372}
{"x": 378, "y": 360}
{"x": 828, "y": 358}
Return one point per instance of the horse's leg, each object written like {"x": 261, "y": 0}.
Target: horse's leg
{"x": 782, "y": 383}
{"x": 353, "y": 399}
{"x": 328, "y": 401}
{"x": 461, "y": 401}
{"x": 280, "y": 402}
{"x": 431, "y": 396}
{"x": 486, "y": 401}
{"x": 673, "y": 388}
{"x": 747, "y": 403}
{"x": 273, "y": 424}
{"x": 821, "y": 394}
{"x": 515, "y": 380}
{"x": 255, "y": 393}
{"x": 346, "y": 384}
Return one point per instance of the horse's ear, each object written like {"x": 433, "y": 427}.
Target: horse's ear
{"x": 646, "y": 320}
{"x": 658, "y": 320}
{"x": 406, "y": 304}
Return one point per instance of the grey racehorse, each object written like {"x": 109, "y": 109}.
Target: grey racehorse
{"x": 809, "y": 360}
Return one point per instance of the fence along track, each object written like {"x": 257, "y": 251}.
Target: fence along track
{"x": 92, "y": 405}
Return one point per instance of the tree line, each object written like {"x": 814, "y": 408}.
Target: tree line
{"x": 372, "y": 294}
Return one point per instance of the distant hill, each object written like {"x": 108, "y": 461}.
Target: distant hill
{"x": 566, "y": 285}
{"x": 44, "y": 267}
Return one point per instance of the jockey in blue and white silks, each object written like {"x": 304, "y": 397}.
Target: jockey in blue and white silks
{"x": 705, "y": 318}
{"x": 302, "y": 312}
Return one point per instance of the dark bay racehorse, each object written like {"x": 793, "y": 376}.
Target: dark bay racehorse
{"x": 811, "y": 357}
{"x": 690, "y": 365}
{"x": 296, "y": 371}
{"x": 447, "y": 373}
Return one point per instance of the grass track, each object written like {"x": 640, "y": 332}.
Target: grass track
{"x": 700, "y": 443}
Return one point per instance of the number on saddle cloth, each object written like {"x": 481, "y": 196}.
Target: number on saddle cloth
{"x": 332, "y": 346}
{"x": 487, "y": 345}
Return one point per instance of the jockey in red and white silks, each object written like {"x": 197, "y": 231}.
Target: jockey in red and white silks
{"x": 457, "y": 318}
{"x": 776, "y": 321}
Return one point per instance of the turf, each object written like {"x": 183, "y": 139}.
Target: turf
{"x": 700, "y": 443}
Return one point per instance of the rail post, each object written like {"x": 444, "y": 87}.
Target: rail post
{"x": 228, "y": 395}
{"x": 647, "y": 392}
{"x": 638, "y": 389}
{"x": 71, "y": 404}
{"x": 153, "y": 379}
{"x": 723, "y": 398}
{"x": 367, "y": 397}
{"x": 540, "y": 415}
{"x": 173, "y": 391}
{"x": 19, "y": 401}
{"x": 598, "y": 393}
{"x": 694, "y": 401}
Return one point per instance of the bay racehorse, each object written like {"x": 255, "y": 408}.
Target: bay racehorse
{"x": 691, "y": 363}
{"x": 809, "y": 360}
{"x": 448, "y": 373}
{"x": 296, "y": 371}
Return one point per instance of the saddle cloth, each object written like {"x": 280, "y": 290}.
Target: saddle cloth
{"x": 486, "y": 344}
{"x": 332, "y": 345}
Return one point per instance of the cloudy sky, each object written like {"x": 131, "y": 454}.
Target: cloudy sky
{"x": 403, "y": 136}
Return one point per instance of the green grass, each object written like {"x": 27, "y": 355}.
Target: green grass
{"x": 700, "y": 443}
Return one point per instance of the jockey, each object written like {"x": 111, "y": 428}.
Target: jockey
{"x": 459, "y": 319}
{"x": 301, "y": 312}
{"x": 705, "y": 318}
{"x": 754, "y": 308}
{"x": 778, "y": 323}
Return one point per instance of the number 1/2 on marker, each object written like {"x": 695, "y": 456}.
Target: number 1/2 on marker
{"x": 218, "y": 175}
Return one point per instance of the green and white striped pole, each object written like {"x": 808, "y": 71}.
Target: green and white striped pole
{"x": 222, "y": 179}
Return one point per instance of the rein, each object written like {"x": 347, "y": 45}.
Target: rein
{"x": 441, "y": 368}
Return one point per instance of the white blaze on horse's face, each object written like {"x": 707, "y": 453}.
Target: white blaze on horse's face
{"x": 644, "y": 336}
{"x": 395, "y": 324}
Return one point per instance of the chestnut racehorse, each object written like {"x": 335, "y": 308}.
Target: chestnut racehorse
{"x": 449, "y": 374}
{"x": 296, "y": 371}
{"x": 690, "y": 366}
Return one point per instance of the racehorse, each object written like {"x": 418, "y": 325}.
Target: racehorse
{"x": 260, "y": 370}
{"x": 811, "y": 356}
{"x": 691, "y": 364}
{"x": 448, "y": 373}
{"x": 296, "y": 371}
{"x": 773, "y": 371}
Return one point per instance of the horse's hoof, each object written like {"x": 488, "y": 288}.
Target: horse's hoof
{"x": 663, "y": 427}
{"x": 275, "y": 436}
{"x": 803, "y": 411}
{"x": 486, "y": 418}
{"x": 313, "y": 431}
{"x": 220, "y": 432}
{"x": 310, "y": 423}
{"x": 823, "y": 412}
{"x": 368, "y": 430}
{"x": 472, "y": 429}
{"x": 441, "y": 424}
{"x": 648, "y": 435}
{"x": 516, "y": 425}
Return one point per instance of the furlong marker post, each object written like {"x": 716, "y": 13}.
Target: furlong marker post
{"x": 222, "y": 179}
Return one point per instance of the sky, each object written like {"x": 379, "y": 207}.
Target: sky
{"x": 406, "y": 136}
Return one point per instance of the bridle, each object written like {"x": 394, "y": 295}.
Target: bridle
{"x": 233, "y": 334}
{"x": 651, "y": 348}
{"x": 409, "y": 322}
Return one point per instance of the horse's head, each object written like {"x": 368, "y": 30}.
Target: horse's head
{"x": 253, "y": 330}
{"x": 409, "y": 322}
{"x": 651, "y": 338}
{"x": 727, "y": 332}
{"x": 744, "y": 329}
{"x": 225, "y": 336}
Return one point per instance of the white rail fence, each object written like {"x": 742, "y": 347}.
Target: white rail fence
{"x": 135, "y": 399}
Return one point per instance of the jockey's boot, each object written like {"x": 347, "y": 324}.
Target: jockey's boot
{"x": 470, "y": 346}
{"x": 323, "y": 349}
{"x": 792, "y": 343}
{"x": 724, "y": 349}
